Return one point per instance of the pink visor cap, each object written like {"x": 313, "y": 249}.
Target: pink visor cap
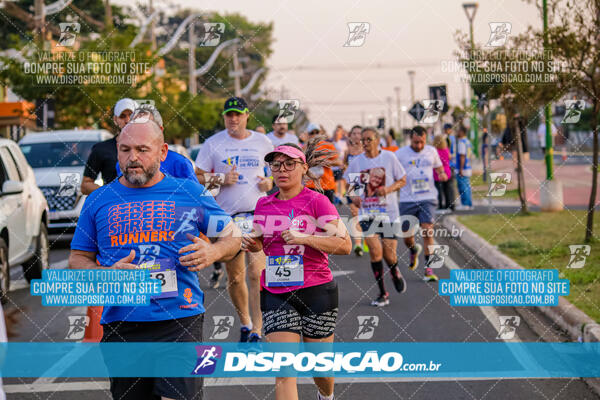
{"x": 288, "y": 151}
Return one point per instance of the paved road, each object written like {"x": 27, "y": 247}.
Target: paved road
{"x": 419, "y": 315}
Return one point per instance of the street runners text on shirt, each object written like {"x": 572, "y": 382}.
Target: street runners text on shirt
{"x": 141, "y": 222}
{"x": 95, "y": 287}
{"x": 504, "y": 287}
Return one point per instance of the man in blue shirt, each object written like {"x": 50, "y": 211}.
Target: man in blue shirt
{"x": 146, "y": 216}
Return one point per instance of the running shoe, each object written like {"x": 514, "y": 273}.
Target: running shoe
{"x": 398, "y": 279}
{"x": 358, "y": 250}
{"x": 320, "y": 396}
{"x": 382, "y": 300}
{"x": 254, "y": 338}
{"x": 244, "y": 334}
{"x": 414, "y": 257}
{"x": 215, "y": 278}
{"x": 430, "y": 276}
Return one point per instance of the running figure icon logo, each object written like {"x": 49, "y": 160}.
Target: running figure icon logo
{"x": 287, "y": 110}
{"x": 68, "y": 34}
{"x": 573, "y": 113}
{"x": 498, "y": 183}
{"x": 358, "y": 183}
{"x": 499, "y": 32}
{"x": 223, "y": 324}
{"x": 187, "y": 218}
{"x": 358, "y": 33}
{"x": 148, "y": 253}
{"x": 207, "y": 359}
{"x": 508, "y": 327}
{"x": 212, "y": 34}
{"x": 69, "y": 182}
{"x": 579, "y": 252}
{"x": 433, "y": 109}
{"x": 366, "y": 326}
{"x": 77, "y": 324}
{"x": 437, "y": 252}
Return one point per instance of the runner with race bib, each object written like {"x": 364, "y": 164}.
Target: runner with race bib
{"x": 298, "y": 228}
{"x": 419, "y": 197}
{"x": 238, "y": 154}
{"x": 374, "y": 178}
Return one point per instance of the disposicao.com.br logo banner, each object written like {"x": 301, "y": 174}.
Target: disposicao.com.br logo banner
{"x": 290, "y": 359}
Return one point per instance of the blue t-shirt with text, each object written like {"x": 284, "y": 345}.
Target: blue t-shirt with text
{"x": 155, "y": 222}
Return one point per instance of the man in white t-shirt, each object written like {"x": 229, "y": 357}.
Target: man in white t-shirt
{"x": 280, "y": 134}
{"x": 238, "y": 155}
{"x": 374, "y": 178}
{"x": 419, "y": 197}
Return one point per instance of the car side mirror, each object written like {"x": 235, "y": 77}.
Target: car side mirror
{"x": 12, "y": 187}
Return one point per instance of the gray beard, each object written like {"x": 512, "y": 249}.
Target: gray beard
{"x": 142, "y": 178}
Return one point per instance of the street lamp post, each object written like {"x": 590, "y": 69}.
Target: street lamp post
{"x": 549, "y": 150}
{"x": 470, "y": 11}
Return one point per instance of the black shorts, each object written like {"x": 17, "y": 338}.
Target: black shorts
{"x": 187, "y": 329}
{"x": 310, "y": 311}
{"x": 383, "y": 228}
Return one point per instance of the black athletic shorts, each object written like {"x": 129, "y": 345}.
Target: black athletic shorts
{"x": 383, "y": 228}
{"x": 310, "y": 311}
{"x": 187, "y": 329}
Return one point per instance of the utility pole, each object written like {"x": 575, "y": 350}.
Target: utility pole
{"x": 547, "y": 114}
{"x": 470, "y": 11}
{"x": 399, "y": 123}
{"x": 236, "y": 72}
{"x": 411, "y": 75}
{"x": 40, "y": 23}
{"x": 192, "y": 87}
{"x": 152, "y": 28}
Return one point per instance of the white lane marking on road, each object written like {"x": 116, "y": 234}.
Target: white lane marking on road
{"x": 341, "y": 273}
{"x": 61, "y": 365}
{"x": 493, "y": 317}
{"x": 217, "y": 382}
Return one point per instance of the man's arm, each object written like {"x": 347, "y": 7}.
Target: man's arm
{"x": 79, "y": 259}
{"x": 88, "y": 185}
{"x": 200, "y": 175}
{"x": 461, "y": 163}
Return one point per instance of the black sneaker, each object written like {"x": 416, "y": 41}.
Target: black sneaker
{"x": 244, "y": 334}
{"x": 358, "y": 250}
{"x": 398, "y": 279}
{"x": 254, "y": 338}
{"x": 382, "y": 300}
{"x": 215, "y": 278}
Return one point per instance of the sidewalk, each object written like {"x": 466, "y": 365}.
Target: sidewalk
{"x": 576, "y": 180}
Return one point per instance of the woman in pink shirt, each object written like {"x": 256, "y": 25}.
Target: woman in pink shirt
{"x": 297, "y": 228}
{"x": 444, "y": 188}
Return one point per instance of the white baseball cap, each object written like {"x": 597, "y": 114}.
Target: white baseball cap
{"x": 125, "y": 104}
{"x": 312, "y": 127}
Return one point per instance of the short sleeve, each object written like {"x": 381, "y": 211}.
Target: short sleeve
{"x": 204, "y": 159}
{"x": 398, "y": 169}
{"x": 259, "y": 215}
{"x": 462, "y": 147}
{"x": 92, "y": 166}
{"x": 214, "y": 219}
{"x": 352, "y": 168}
{"x": 85, "y": 237}
{"x": 437, "y": 161}
{"x": 184, "y": 169}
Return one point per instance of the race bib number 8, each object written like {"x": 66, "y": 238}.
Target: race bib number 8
{"x": 285, "y": 270}
{"x": 164, "y": 271}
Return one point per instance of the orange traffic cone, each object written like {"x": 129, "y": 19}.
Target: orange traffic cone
{"x": 94, "y": 331}
{"x": 564, "y": 154}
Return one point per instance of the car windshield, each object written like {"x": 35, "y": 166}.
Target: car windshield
{"x": 57, "y": 154}
{"x": 194, "y": 153}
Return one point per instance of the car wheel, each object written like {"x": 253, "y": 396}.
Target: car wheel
{"x": 39, "y": 262}
{"x": 4, "y": 272}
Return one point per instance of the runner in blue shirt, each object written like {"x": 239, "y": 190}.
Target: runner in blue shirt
{"x": 148, "y": 217}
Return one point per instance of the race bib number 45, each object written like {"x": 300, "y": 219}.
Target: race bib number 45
{"x": 285, "y": 270}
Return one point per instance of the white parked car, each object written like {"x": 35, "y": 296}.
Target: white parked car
{"x": 58, "y": 160}
{"x": 23, "y": 218}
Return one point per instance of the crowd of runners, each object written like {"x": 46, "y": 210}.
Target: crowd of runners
{"x": 276, "y": 199}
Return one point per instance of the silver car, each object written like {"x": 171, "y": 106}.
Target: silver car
{"x": 58, "y": 160}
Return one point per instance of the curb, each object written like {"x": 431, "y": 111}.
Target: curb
{"x": 580, "y": 326}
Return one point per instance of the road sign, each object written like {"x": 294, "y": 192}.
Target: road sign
{"x": 417, "y": 111}
{"x": 44, "y": 111}
{"x": 439, "y": 93}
